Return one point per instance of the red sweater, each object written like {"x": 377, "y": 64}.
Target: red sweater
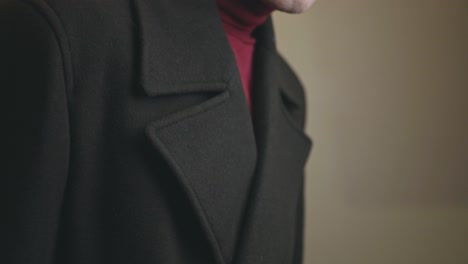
{"x": 240, "y": 18}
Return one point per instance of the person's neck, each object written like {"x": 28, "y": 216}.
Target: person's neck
{"x": 244, "y": 15}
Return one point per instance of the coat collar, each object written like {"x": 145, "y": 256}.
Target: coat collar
{"x": 183, "y": 48}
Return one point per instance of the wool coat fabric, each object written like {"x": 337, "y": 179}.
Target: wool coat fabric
{"x": 127, "y": 138}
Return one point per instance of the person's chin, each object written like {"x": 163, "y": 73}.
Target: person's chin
{"x": 290, "y": 6}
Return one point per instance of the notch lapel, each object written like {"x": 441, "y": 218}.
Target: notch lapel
{"x": 272, "y": 227}
{"x": 209, "y": 145}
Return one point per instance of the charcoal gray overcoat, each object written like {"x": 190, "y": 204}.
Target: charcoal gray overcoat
{"x": 126, "y": 138}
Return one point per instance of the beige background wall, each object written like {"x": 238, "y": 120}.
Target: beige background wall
{"x": 387, "y": 92}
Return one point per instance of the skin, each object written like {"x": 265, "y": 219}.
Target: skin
{"x": 290, "y": 6}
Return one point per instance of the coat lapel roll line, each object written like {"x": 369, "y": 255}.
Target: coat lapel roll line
{"x": 220, "y": 155}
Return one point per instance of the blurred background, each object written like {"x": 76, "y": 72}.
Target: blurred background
{"x": 387, "y": 92}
